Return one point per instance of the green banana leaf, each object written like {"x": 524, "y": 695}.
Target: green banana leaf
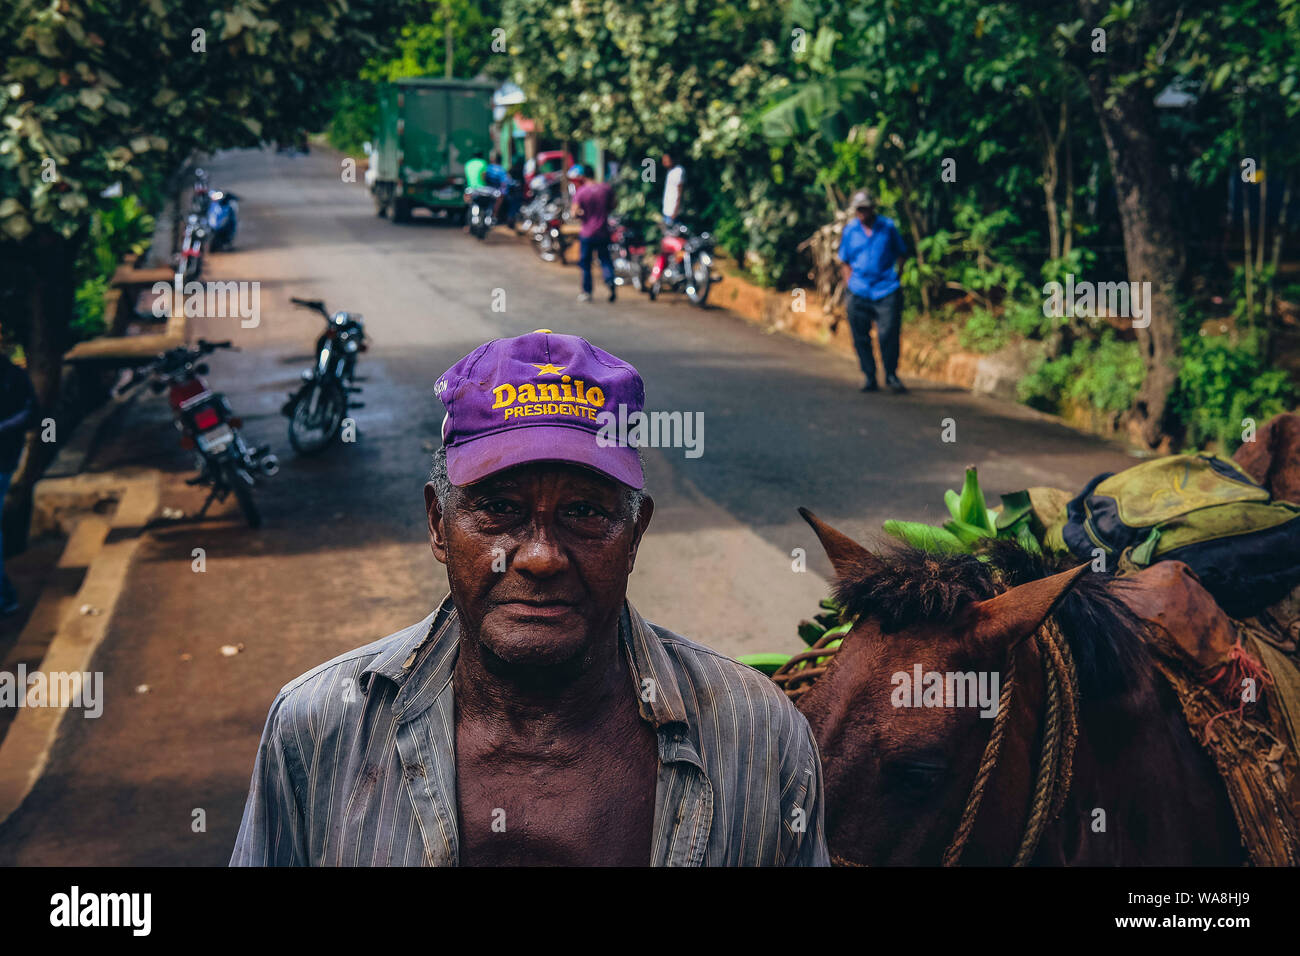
{"x": 1014, "y": 507}
{"x": 924, "y": 536}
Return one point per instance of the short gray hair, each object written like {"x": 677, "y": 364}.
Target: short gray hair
{"x": 632, "y": 497}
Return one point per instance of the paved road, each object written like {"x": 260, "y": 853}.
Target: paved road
{"x": 343, "y": 558}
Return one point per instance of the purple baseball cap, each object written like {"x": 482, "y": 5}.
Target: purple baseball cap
{"x": 537, "y": 397}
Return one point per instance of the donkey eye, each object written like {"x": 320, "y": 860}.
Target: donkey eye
{"x": 918, "y": 774}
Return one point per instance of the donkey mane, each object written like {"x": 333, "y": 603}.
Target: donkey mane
{"x": 907, "y": 586}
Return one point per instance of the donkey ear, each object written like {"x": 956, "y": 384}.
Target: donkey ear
{"x": 846, "y": 554}
{"x": 1014, "y": 615}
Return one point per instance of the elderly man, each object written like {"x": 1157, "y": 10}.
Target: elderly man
{"x": 869, "y": 251}
{"x": 534, "y": 717}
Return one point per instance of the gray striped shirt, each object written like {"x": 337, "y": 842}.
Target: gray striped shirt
{"x": 357, "y": 764}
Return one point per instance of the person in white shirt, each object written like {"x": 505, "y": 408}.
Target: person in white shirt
{"x": 674, "y": 188}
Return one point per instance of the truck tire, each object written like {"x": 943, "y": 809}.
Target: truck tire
{"x": 401, "y": 210}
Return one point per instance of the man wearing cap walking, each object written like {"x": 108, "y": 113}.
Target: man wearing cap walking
{"x": 869, "y": 250}
{"x": 535, "y": 717}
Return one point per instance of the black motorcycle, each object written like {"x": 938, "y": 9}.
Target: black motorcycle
{"x": 627, "y": 250}
{"x": 549, "y": 241}
{"x": 482, "y": 203}
{"x": 317, "y": 409}
{"x": 208, "y": 427}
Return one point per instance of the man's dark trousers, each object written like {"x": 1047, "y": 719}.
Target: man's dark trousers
{"x": 887, "y": 313}
{"x": 600, "y": 243}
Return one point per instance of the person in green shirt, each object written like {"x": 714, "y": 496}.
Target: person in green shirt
{"x": 474, "y": 170}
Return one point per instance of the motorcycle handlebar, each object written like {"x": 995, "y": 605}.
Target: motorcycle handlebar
{"x": 314, "y": 304}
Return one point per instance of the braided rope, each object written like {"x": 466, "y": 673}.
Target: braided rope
{"x": 1056, "y": 757}
{"x": 1059, "y": 736}
{"x": 987, "y": 763}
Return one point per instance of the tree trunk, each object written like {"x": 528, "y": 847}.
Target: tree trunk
{"x": 1153, "y": 247}
{"x": 51, "y": 288}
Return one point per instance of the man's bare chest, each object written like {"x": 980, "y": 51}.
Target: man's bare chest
{"x": 594, "y": 810}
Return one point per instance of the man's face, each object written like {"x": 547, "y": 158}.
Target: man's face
{"x": 866, "y": 215}
{"x": 538, "y": 559}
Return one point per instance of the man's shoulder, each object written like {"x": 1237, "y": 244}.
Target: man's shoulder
{"x": 720, "y": 681}
{"x": 342, "y": 674}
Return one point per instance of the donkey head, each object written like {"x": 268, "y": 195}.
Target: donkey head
{"x": 907, "y": 705}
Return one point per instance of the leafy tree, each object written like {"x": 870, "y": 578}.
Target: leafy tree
{"x": 102, "y": 92}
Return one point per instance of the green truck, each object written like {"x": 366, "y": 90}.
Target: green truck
{"x": 427, "y": 130}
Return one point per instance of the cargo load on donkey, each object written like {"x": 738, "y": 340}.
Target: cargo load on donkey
{"x": 1115, "y": 688}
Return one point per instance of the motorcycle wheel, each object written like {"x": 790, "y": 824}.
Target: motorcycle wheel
{"x": 698, "y": 291}
{"x": 544, "y": 248}
{"x": 654, "y": 289}
{"x": 308, "y": 438}
{"x": 638, "y": 276}
{"x": 241, "y": 483}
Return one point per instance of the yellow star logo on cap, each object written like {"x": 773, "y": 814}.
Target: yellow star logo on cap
{"x": 548, "y": 369}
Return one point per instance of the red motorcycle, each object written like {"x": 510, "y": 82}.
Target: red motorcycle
{"x": 684, "y": 264}
{"x": 208, "y": 427}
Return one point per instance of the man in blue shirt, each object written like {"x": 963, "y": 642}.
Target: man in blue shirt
{"x": 869, "y": 251}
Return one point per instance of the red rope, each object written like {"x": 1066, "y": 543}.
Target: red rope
{"x": 1239, "y": 666}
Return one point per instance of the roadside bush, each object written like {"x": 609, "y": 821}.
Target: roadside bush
{"x": 1220, "y": 383}
{"x": 1104, "y": 374}
{"x": 116, "y": 231}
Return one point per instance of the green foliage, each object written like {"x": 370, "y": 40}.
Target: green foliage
{"x": 355, "y": 117}
{"x": 115, "y": 231}
{"x": 1104, "y": 374}
{"x": 110, "y": 91}
{"x": 88, "y": 318}
{"x": 418, "y": 50}
{"x": 1221, "y": 383}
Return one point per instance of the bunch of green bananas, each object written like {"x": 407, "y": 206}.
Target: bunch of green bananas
{"x": 972, "y": 522}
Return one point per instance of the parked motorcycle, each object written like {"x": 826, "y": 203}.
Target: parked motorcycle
{"x": 189, "y": 264}
{"x": 684, "y": 264}
{"x": 627, "y": 249}
{"x": 199, "y": 195}
{"x": 549, "y": 241}
{"x": 482, "y": 203}
{"x": 536, "y": 197}
{"x": 222, "y": 219}
{"x": 317, "y": 409}
{"x": 208, "y": 427}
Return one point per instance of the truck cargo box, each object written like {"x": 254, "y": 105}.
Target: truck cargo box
{"x": 428, "y": 129}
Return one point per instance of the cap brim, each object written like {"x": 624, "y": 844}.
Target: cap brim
{"x": 476, "y": 459}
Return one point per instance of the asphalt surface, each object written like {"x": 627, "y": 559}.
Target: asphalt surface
{"x": 161, "y": 777}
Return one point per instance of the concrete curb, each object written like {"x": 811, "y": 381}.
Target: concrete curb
{"x": 104, "y": 547}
